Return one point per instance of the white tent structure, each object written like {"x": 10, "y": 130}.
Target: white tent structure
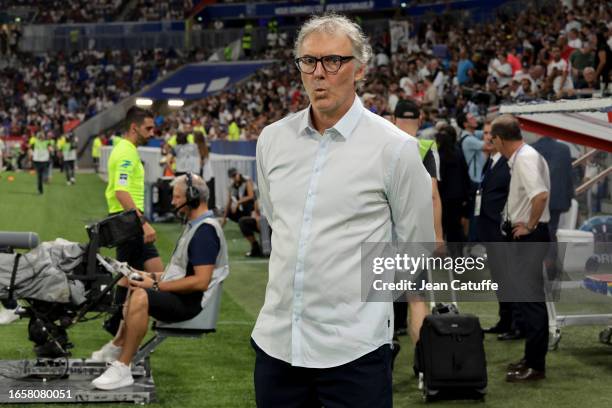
{"x": 583, "y": 121}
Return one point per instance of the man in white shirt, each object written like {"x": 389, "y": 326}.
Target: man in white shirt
{"x": 501, "y": 69}
{"x": 558, "y": 72}
{"x": 332, "y": 177}
{"x": 526, "y": 217}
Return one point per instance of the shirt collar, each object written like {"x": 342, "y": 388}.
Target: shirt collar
{"x": 344, "y": 127}
{"x": 207, "y": 214}
{"x": 495, "y": 158}
{"x": 512, "y": 158}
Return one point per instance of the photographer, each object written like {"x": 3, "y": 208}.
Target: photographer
{"x": 241, "y": 197}
{"x": 198, "y": 264}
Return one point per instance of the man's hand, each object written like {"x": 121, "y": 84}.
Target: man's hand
{"x": 146, "y": 282}
{"x": 223, "y": 221}
{"x": 520, "y": 230}
{"x": 149, "y": 233}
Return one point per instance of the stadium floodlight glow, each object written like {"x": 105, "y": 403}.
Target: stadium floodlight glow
{"x": 176, "y": 103}
{"x": 403, "y": 5}
{"x": 144, "y": 102}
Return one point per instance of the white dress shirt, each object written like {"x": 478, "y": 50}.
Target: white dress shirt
{"x": 324, "y": 196}
{"x": 529, "y": 176}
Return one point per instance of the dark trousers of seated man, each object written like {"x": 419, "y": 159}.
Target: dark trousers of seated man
{"x": 529, "y": 280}
{"x": 140, "y": 256}
{"x": 163, "y": 306}
{"x": 362, "y": 383}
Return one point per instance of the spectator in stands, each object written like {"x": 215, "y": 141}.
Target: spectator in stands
{"x": 603, "y": 59}
{"x": 581, "y": 58}
{"x": 501, "y": 69}
{"x": 465, "y": 69}
{"x": 559, "y": 74}
{"x": 589, "y": 83}
{"x": 186, "y": 156}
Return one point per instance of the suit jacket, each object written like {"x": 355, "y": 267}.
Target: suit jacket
{"x": 559, "y": 160}
{"x": 495, "y": 185}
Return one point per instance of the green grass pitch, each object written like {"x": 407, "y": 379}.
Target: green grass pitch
{"x": 216, "y": 371}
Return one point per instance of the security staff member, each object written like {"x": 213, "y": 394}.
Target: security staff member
{"x": 408, "y": 117}
{"x": 67, "y": 148}
{"x": 95, "y": 152}
{"x": 125, "y": 191}
{"x": 41, "y": 148}
{"x": 526, "y": 217}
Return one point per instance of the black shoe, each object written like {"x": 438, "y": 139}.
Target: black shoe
{"x": 255, "y": 251}
{"x": 525, "y": 375}
{"x": 518, "y": 366}
{"x": 497, "y": 329}
{"x": 513, "y": 335}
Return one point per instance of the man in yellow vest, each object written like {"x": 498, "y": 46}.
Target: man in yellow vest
{"x": 247, "y": 39}
{"x": 67, "y": 147}
{"x": 95, "y": 152}
{"x": 40, "y": 154}
{"x": 233, "y": 132}
{"x": 408, "y": 117}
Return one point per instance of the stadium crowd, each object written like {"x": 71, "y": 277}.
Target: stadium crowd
{"x": 99, "y": 11}
{"x": 447, "y": 65}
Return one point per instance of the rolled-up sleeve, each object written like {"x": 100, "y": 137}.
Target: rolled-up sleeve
{"x": 409, "y": 195}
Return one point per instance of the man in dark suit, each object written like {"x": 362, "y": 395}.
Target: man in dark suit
{"x": 493, "y": 195}
{"x": 559, "y": 160}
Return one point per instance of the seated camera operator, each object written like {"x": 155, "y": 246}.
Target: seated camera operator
{"x": 198, "y": 263}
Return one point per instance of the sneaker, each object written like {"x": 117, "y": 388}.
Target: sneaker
{"x": 8, "y": 316}
{"x": 109, "y": 352}
{"x": 117, "y": 375}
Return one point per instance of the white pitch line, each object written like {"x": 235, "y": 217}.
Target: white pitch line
{"x": 250, "y": 261}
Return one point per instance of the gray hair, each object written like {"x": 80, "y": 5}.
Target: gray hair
{"x": 197, "y": 182}
{"x": 331, "y": 23}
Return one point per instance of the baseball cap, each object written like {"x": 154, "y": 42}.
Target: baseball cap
{"x": 407, "y": 109}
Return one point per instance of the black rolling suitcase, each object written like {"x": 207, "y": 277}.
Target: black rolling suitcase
{"x": 450, "y": 357}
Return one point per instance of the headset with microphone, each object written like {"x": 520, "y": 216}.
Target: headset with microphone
{"x": 192, "y": 194}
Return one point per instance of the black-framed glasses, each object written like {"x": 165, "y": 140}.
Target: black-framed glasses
{"x": 331, "y": 63}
